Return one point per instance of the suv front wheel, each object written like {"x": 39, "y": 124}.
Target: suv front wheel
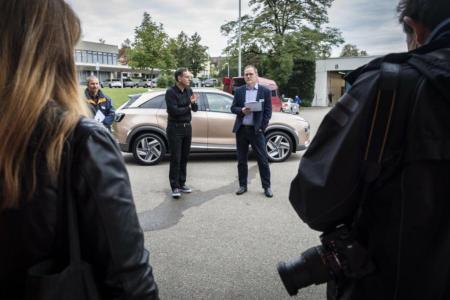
{"x": 278, "y": 146}
{"x": 148, "y": 149}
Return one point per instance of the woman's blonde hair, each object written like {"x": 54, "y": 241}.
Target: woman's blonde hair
{"x": 38, "y": 86}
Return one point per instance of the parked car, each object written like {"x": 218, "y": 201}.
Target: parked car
{"x": 195, "y": 82}
{"x": 111, "y": 83}
{"x": 211, "y": 82}
{"x": 127, "y": 82}
{"x": 155, "y": 81}
{"x": 146, "y": 83}
{"x": 230, "y": 84}
{"x": 140, "y": 128}
{"x": 289, "y": 106}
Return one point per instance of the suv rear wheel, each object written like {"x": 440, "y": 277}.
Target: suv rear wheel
{"x": 278, "y": 146}
{"x": 148, "y": 149}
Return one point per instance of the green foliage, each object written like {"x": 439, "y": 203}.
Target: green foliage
{"x": 197, "y": 55}
{"x": 281, "y": 32}
{"x": 149, "y": 47}
{"x": 301, "y": 81}
{"x": 351, "y": 50}
{"x": 166, "y": 79}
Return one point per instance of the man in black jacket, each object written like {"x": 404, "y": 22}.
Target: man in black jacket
{"x": 404, "y": 220}
{"x": 180, "y": 102}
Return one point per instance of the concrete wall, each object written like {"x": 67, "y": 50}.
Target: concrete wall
{"x": 327, "y": 76}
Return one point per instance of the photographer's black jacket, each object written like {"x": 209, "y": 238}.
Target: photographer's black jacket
{"x": 405, "y": 223}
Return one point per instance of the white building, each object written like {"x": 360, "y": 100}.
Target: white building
{"x": 102, "y": 60}
{"x": 330, "y": 77}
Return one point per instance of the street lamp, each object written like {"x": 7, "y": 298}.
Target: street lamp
{"x": 239, "y": 64}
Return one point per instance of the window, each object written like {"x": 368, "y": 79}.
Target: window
{"x": 274, "y": 93}
{"x": 78, "y": 56}
{"x": 156, "y": 102}
{"x": 219, "y": 103}
{"x": 89, "y": 57}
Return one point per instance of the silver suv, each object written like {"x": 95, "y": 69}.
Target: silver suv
{"x": 141, "y": 122}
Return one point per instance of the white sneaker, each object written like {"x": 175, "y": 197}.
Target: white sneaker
{"x": 176, "y": 193}
{"x": 185, "y": 189}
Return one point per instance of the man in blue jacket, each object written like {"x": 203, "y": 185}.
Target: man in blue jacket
{"x": 252, "y": 105}
{"x": 100, "y": 104}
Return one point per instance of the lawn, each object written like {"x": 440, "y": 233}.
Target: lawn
{"x": 119, "y": 96}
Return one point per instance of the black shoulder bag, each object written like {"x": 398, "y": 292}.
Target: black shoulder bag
{"x": 47, "y": 280}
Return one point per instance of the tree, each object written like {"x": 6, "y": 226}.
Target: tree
{"x": 284, "y": 30}
{"x": 197, "y": 55}
{"x": 352, "y": 50}
{"x": 124, "y": 51}
{"x": 149, "y": 48}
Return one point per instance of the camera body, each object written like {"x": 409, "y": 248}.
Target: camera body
{"x": 339, "y": 256}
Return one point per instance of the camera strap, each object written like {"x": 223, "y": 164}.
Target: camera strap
{"x": 379, "y": 129}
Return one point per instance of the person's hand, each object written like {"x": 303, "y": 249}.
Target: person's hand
{"x": 246, "y": 110}
{"x": 194, "y": 98}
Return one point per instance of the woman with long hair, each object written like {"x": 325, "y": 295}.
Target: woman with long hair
{"x": 41, "y": 116}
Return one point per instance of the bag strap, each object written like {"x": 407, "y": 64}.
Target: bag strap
{"x": 72, "y": 220}
{"x": 379, "y": 129}
{"x": 381, "y": 120}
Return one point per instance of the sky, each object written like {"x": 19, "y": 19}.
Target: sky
{"x": 368, "y": 24}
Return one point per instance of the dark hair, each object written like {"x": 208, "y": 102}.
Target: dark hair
{"x": 428, "y": 12}
{"x": 179, "y": 72}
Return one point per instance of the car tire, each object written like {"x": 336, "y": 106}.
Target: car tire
{"x": 279, "y": 146}
{"x": 148, "y": 149}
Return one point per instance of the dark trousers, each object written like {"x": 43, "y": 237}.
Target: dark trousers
{"x": 179, "y": 136}
{"x": 246, "y": 136}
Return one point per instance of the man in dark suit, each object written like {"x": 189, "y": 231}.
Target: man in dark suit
{"x": 252, "y": 119}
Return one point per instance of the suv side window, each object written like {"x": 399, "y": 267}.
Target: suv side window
{"x": 156, "y": 102}
{"x": 219, "y": 103}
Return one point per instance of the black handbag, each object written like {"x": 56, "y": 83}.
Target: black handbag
{"x": 48, "y": 280}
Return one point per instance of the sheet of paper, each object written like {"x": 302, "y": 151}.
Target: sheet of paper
{"x": 99, "y": 116}
{"x": 254, "y": 106}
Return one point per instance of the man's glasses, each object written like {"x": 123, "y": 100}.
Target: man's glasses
{"x": 249, "y": 74}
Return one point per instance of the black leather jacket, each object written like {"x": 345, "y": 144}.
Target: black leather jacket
{"x": 111, "y": 238}
{"x": 405, "y": 222}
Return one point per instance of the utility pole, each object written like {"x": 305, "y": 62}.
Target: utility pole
{"x": 239, "y": 34}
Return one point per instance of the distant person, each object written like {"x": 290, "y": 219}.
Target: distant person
{"x": 49, "y": 150}
{"x": 180, "y": 101}
{"x": 250, "y": 126}
{"x": 100, "y": 104}
{"x": 298, "y": 100}
{"x": 379, "y": 165}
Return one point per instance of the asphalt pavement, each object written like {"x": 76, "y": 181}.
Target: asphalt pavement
{"x": 212, "y": 244}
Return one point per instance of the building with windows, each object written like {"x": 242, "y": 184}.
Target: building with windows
{"x": 102, "y": 60}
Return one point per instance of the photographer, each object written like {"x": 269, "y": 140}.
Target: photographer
{"x": 401, "y": 220}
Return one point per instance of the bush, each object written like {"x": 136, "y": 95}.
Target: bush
{"x": 301, "y": 81}
{"x": 166, "y": 79}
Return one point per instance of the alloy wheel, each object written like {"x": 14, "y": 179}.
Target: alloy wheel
{"x": 149, "y": 149}
{"x": 278, "y": 146}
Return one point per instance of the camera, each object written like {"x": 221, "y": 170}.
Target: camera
{"x": 339, "y": 256}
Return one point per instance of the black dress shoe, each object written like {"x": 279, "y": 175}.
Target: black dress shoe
{"x": 268, "y": 192}
{"x": 241, "y": 190}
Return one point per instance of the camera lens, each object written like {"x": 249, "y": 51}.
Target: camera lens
{"x": 304, "y": 270}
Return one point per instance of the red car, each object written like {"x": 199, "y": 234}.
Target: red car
{"x": 231, "y": 84}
